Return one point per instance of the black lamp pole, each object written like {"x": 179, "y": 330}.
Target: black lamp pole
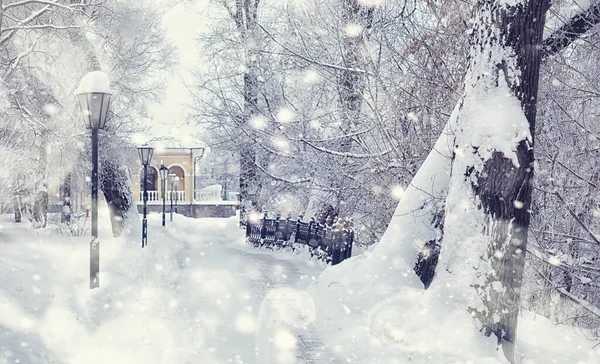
{"x": 145, "y": 221}
{"x": 94, "y": 244}
{"x": 176, "y": 195}
{"x": 145, "y": 153}
{"x": 163, "y": 176}
{"x": 94, "y": 99}
{"x": 172, "y": 176}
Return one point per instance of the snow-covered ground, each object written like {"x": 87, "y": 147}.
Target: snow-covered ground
{"x": 199, "y": 294}
{"x": 192, "y": 296}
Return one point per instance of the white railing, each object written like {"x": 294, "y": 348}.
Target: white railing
{"x": 177, "y": 196}
{"x": 152, "y": 196}
{"x": 207, "y": 195}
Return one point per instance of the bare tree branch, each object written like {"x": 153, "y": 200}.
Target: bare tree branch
{"x": 583, "y": 226}
{"x": 42, "y": 2}
{"x": 568, "y": 33}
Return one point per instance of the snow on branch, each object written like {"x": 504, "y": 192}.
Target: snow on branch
{"x": 43, "y": 26}
{"x": 282, "y": 179}
{"x": 53, "y": 3}
{"x": 346, "y": 154}
{"x": 583, "y": 303}
{"x": 22, "y": 24}
{"x": 569, "y": 32}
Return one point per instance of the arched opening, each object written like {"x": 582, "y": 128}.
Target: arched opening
{"x": 179, "y": 187}
{"x": 151, "y": 183}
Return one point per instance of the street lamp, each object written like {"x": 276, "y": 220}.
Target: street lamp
{"x": 145, "y": 152}
{"x": 164, "y": 172}
{"x": 199, "y": 155}
{"x": 94, "y": 99}
{"x": 176, "y": 180}
{"x": 172, "y": 180}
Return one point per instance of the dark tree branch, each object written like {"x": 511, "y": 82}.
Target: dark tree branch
{"x": 568, "y": 33}
{"x": 583, "y": 226}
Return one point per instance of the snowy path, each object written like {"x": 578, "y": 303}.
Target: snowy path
{"x": 192, "y": 296}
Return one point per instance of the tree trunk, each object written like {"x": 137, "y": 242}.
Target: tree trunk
{"x": 17, "y": 208}
{"x": 40, "y": 204}
{"x": 65, "y": 216}
{"x": 40, "y": 208}
{"x": 357, "y": 19}
{"x": 116, "y": 187}
{"x": 487, "y": 209}
{"x": 417, "y": 224}
{"x": 245, "y": 17}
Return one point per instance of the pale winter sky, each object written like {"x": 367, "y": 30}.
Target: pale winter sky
{"x": 182, "y": 25}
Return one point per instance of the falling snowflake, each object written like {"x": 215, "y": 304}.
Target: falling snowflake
{"x": 51, "y": 109}
{"x": 370, "y": 2}
{"x": 311, "y": 77}
{"x": 412, "y": 117}
{"x": 258, "y": 122}
{"x": 398, "y": 192}
{"x": 353, "y": 30}
{"x": 285, "y": 339}
{"x": 554, "y": 261}
{"x": 281, "y": 144}
{"x": 285, "y": 115}
{"x": 245, "y": 323}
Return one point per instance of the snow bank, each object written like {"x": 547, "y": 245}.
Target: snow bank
{"x": 375, "y": 321}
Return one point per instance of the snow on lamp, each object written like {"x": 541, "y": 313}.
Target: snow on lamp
{"x": 94, "y": 99}
{"x": 164, "y": 172}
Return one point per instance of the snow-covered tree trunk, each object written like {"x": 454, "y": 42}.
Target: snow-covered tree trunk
{"x": 487, "y": 209}
{"x": 65, "y": 216}
{"x": 116, "y": 187}
{"x": 40, "y": 205}
{"x": 17, "y": 208}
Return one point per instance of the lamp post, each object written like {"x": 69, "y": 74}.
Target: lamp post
{"x": 164, "y": 171}
{"x": 94, "y": 99}
{"x": 172, "y": 180}
{"x": 176, "y": 179}
{"x": 200, "y": 154}
{"x": 145, "y": 153}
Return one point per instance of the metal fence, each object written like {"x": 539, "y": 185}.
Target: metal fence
{"x": 331, "y": 241}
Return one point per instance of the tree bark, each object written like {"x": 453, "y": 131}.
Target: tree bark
{"x": 352, "y": 78}
{"x": 357, "y": 20}
{"x": 560, "y": 39}
{"x": 487, "y": 210}
{"x": 245, "y": 17}
{"x": 40, "y": 204}
{"x": 17, "y": 208}
{"x": 40, "y": 208}
{"x": 65, "y": 216}
{"x": 116, "y": 187}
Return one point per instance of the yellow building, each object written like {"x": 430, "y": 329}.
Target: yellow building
{"x": 190, "y": 200}
{"x": 179, "y": 161}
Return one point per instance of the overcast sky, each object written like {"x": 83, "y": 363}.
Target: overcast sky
{"x": 182, "y": 25}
